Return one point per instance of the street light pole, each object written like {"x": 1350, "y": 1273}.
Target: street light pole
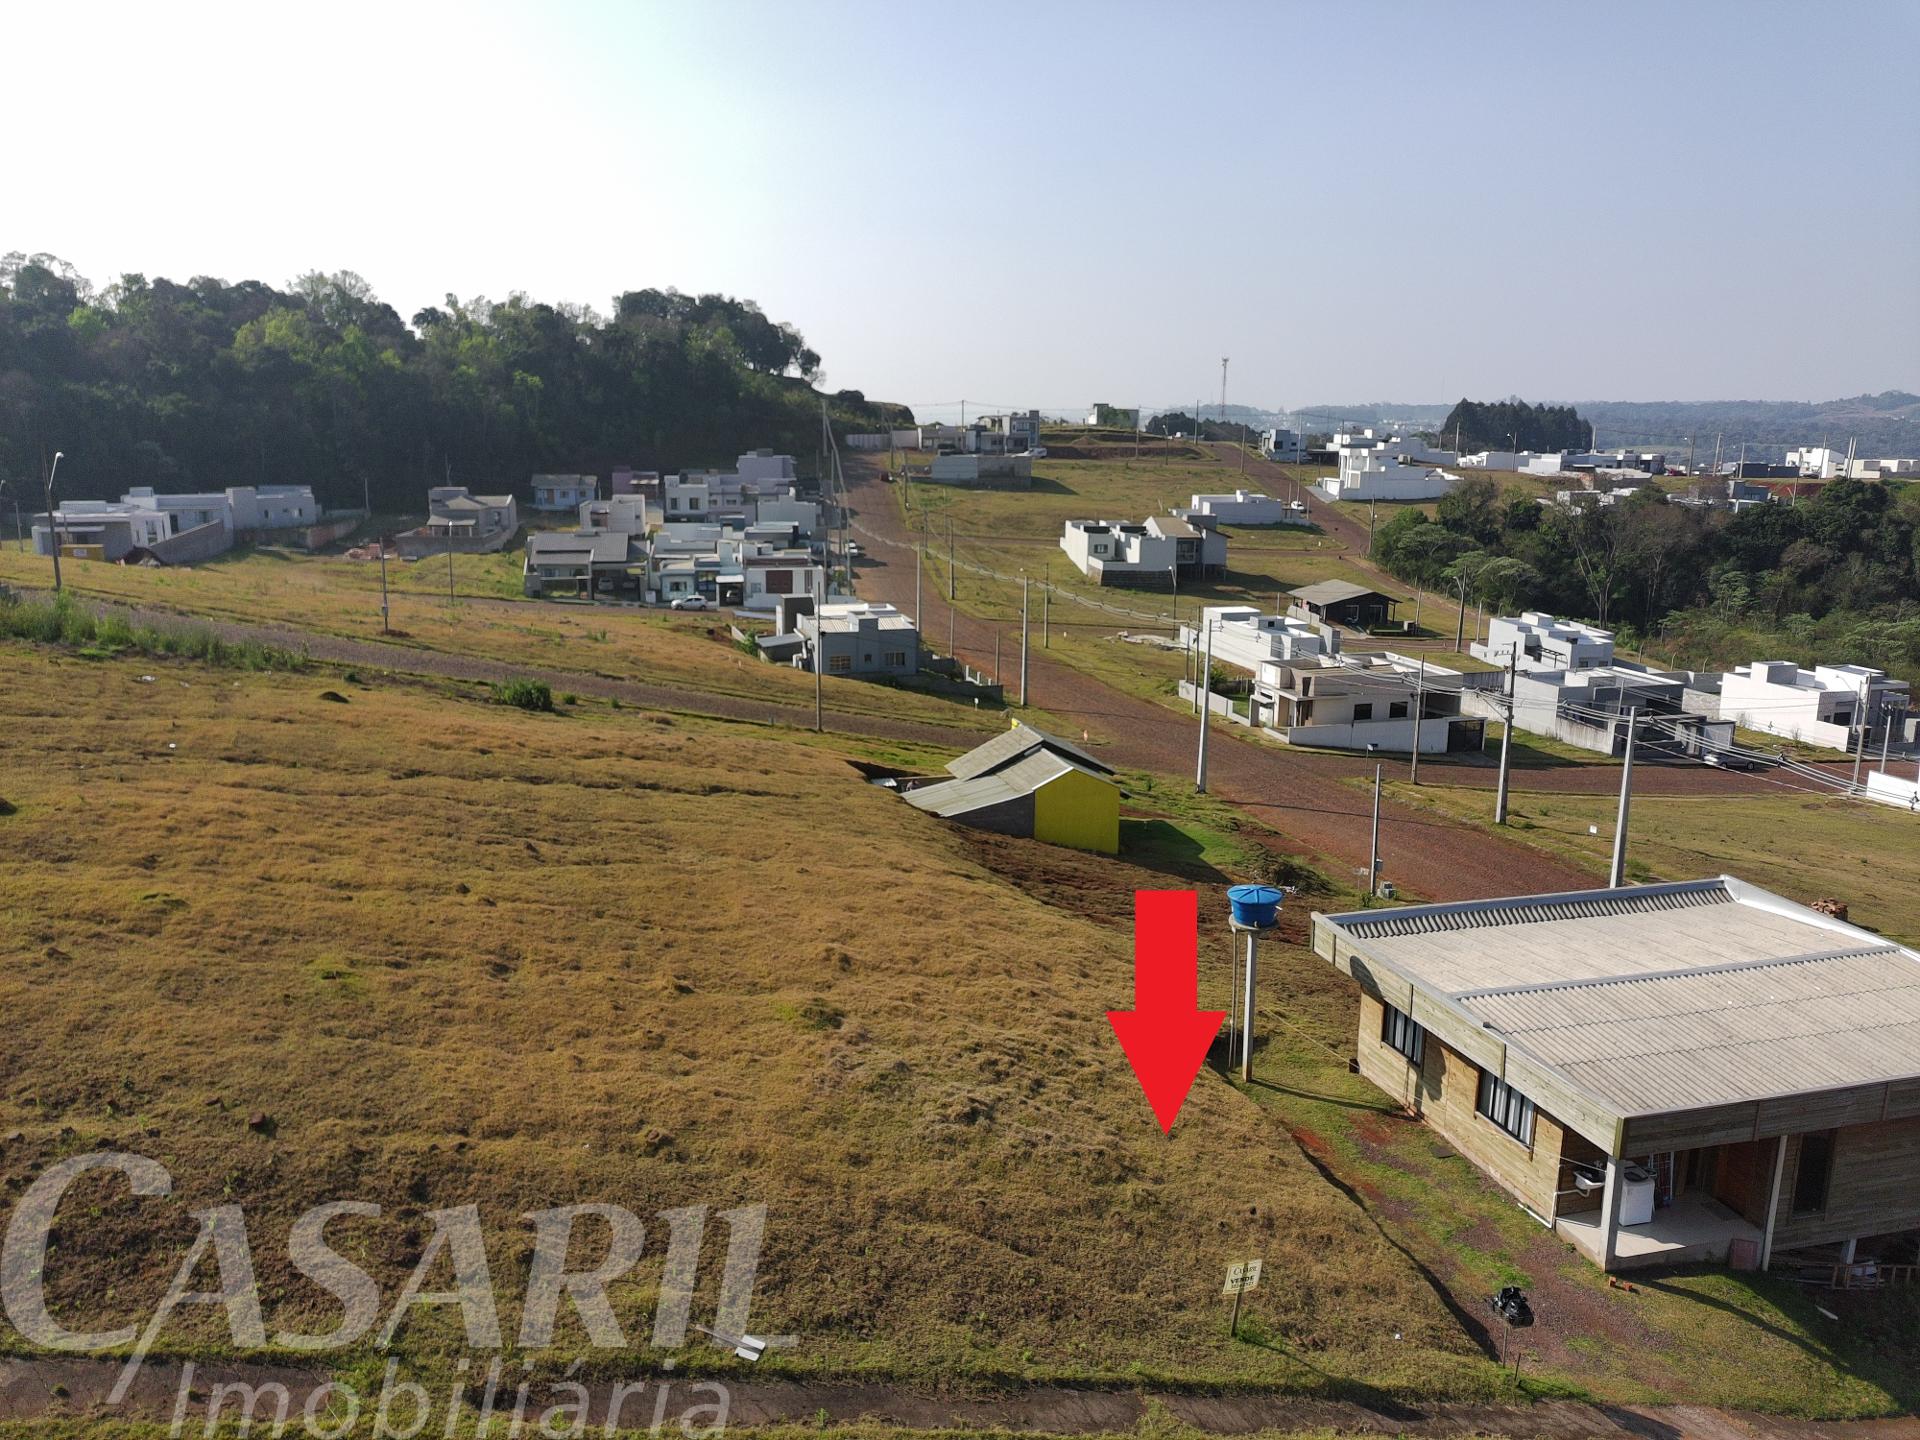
{"x": 1506, "y": 739}
{"x": 1617, "y": 875}
{"x": 53, "y": 525}
{"x": 1023, "y": 642}
{"x": 1206, "y": 706}
{"x": 1373, "y": 850}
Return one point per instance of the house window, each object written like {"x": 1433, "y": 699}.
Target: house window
{"x": 1814, "y": 1175}
{"x": 1398, "y": 1029}
{"x": 1396, "y": 709}
{"x": 839, "y": 664}
{"x": 1363, "y": 712}
{"x": 896, "y": 659}
{"x": 1506, "y": 1107}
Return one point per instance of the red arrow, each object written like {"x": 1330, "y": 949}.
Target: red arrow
{"x": 1166, "y": 1034}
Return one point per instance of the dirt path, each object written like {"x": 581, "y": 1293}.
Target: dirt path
{"x": 412, "y": 660}
{"x": 48, "y": 1388}
{"x": 1306, "y": 798}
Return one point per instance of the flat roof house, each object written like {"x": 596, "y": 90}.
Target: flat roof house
{"x": 1359, "y": 702}
{"x": 1661, "y": 1073}
{"x": 1243, "y": 507}
{"x": 1827, "y": 705}
{"x": 1026, "y": 782}
{"x": 1592, "y": 709}
{"x": 564, "y": 492}
{"x": 1535, "y": 640}
{"x": 859, "y": 637}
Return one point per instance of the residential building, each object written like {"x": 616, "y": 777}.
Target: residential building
{"x": 1365, "y": 702}
{"x": 765, "y": 468}
{"x": 1373, "y": 474}
{"x": 1592, "y": 708}
{"x": 1341, "y": 602}
{"x": 1113, "y": 417}
{"x": 1243, "y": 507}
{"x": 858, "y": 638}
{"x": 584, "y": 565}
{"x": 1662, "y": 1074}
{"x": 627, "y": 514}
{"x": 472, "y": 523}
{"x": 1026, "y": 782}
{"x": 1495, "y": 459}
{"x": 564, "y": 492}
{"x": 1540, "y": 641}
{"x": 1817, "y": 462}
{"x": 629, "y": 481}
{"x": 1829, "y": 705}
{"x": 1246, "y": 639}
{"x": 132, "y": 529}
{"x": 1288, "y": 447}
{"x": 1019, "y": 429}
{"x": 1112, "y": 552}
{"x": 1197, "y": 554}
{"x": 1885, "y": 469}
{"x": 751, "y": 566}
{"x": 273, "y": 507}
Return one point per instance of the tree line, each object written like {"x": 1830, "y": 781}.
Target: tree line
{"x": 210, "y": 384}
{"x": 1843, "y": 566}
{"x": 1514, "y": 425}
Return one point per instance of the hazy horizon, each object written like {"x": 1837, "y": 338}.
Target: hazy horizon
{"x": 1044, "y": 206}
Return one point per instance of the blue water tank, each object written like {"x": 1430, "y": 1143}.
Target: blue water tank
{"x": 1255, "y": 906}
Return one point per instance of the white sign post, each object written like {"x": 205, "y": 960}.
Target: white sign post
{"x": 1242, "y": 1276}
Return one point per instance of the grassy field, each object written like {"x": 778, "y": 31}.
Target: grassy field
{"x": 331, "y": 596}
{"x": 1806, "y": 847}
{"x": 452, "y": 952}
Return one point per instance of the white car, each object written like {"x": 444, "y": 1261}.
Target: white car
{"x": 688, "y": 602}
{"x": 854, "y": 552}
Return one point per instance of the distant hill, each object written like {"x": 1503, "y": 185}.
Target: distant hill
{"x": 1883, "y": 424}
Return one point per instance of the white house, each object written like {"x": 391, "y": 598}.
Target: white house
{"x": 763, "y": 467}
{"x": 1495, "y": 459}
{"x": 1289, "y": 447}
{"x": 273, "y": 507}
{"x": 1544, "y": 642}
{"x": 1117, "y": 417}
{"x": 1375, "y": 475}
{"x": 1244, "y": 507}
{"x": 1591, "y": 708}
{"x": 1114, "y": 552}
{"x": 1827, "y": 705}
{"x": 1357, "y": 702}
{"x": 1247, "y": 639}
{"x": 619, "y": 515}
{"x": 563, "y": 492}
{"x": 1817, "y": 462}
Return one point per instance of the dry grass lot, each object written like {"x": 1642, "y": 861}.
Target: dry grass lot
{"x": 461, "y": 953}
{"x": 333, "y": 596}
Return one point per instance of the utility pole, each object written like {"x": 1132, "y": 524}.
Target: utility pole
{"x": 1373, "y": 855}
{"x": 385, "y": 615}
{"x": 1860, "y": 749}
{"x": 1617, "y": 875}
{"x": 1716, "y": 457}
{"x": 1419, "y": 710}
{"x": 996, "y": 653}
{"x": 819, "y": 660}
{"x": 1223, "y": 392}
{"x": 1506, "y": 738}
{"x": 1023, "y": 642}
{"x": 1046, "y": 597}
{"x": 449, "y": 564}
{"x": 953, "y": 571}
{"x": 1689, "y": 457}
{"x": 53, "y": 524}
{"x": 1206, "y": 705}
{"x": 919, "y": 565}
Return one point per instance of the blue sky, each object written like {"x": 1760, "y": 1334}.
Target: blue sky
{"x": 1043, "y": 203}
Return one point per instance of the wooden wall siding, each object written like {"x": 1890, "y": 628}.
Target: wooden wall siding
{"x": 1875, "y": 1189}
{"x": 1571, "y": 1106}
{"x": 1826, "y": 1110}
{"x": 1444, "y": 1096}
{"x": 1381, "y": 1064}
{"x": 1690, "y": 1129}
{"x": 1903, "y": 1099}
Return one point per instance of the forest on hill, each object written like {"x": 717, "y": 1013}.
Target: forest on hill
{"x": 208, "y": 384}
{"x": 1836, "y": 577}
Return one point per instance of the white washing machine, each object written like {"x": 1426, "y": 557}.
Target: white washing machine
{"x": 1636, "y": 1196}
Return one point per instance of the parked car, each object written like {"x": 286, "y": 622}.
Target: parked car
{"x": 688, "y": 602}
{"x": 854, "y": 552}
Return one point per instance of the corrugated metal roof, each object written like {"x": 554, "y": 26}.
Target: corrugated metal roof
{"x": 1023, "y": 777}
{"x": 1332, "y": 592}
{"x": 1011, "y": 744}
{"x": 1717, "y": 1037}
{"x": 1668, "y": 997}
